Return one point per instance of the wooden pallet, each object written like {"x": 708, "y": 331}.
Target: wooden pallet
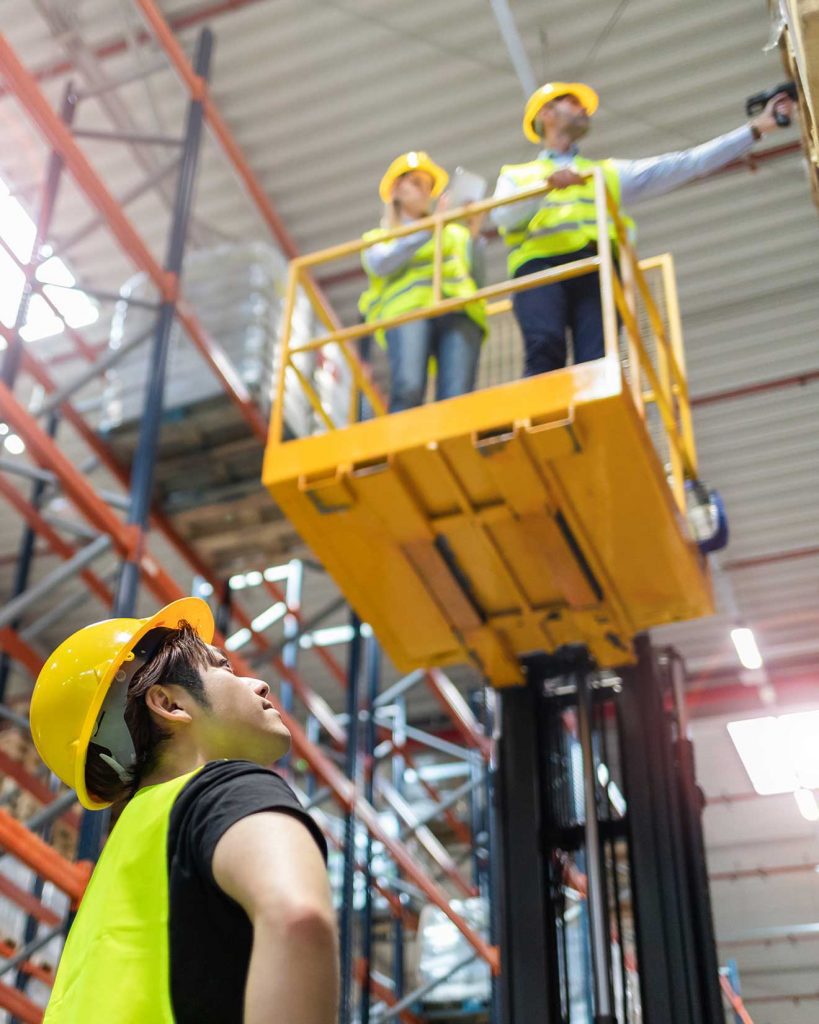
{"x": 800, "y": 55}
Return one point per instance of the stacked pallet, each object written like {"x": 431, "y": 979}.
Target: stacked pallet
{"x": 798, "y": 22}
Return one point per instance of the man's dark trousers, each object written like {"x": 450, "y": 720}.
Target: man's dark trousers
{"x": 544, "y": 313}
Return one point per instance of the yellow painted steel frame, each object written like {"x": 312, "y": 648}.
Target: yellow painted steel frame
{"x": 516, "y": 518}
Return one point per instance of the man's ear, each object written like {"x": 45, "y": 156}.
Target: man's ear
{"x": 168, "y": 703}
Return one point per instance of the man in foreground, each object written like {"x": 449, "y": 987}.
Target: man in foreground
{"x": 210, "y": 903}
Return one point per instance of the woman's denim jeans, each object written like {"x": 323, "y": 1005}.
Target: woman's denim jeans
{"x": 453, "y": 339}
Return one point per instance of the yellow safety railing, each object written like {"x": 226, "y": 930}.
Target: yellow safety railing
{"x": 652, "y": 363}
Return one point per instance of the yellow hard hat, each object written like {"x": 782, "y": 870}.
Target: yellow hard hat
{"x": 412, "y": 161}
{"x": 587, "y": 96}
{"x": 80, "y": 691}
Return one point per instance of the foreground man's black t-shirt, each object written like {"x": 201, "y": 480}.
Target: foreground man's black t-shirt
{"x": 210, "y": 934}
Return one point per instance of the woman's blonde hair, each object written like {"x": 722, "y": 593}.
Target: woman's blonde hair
{"x": 391, "y": 217}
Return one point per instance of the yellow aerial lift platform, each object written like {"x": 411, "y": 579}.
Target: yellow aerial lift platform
{"x": 518, "y": 518}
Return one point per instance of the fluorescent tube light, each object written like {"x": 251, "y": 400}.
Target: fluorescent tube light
{"x": 747, "y": 650}
{"x": 806, "y": 802}
{"x": 267, "y": 618}
{"x": 780, "y": 755}
{"x": 238, "y": 639}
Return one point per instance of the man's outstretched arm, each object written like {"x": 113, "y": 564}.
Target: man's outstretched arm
{"x": 657, "y": 175}
{"x": 270, "y": 865}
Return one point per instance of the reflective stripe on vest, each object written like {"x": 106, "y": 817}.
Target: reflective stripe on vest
{"x": 410, "y": 287}
{"x": 115, "y": 966}
{"x": 565, "y": 221}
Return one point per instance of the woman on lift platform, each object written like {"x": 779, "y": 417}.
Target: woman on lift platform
{"x": 400, "y": 273}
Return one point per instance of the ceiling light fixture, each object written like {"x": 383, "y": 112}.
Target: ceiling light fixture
{"x": 806, "y": 802}
{"x": 746, "y": 647}
{"x": 780, "y": 755}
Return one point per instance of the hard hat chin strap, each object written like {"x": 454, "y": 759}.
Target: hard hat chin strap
{"x": 122, "y": 773}
{"x": 112, "y": 732}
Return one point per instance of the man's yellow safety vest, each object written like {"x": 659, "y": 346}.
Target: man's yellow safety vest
{"x": 410, "y": 287}
{"x": 566, "y": 221}
{"x": 115, "y": 965}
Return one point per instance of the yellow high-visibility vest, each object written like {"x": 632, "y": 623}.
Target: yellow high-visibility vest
{"x": 566, "y": 220}
{"x": 115, "y": 965}
{"x": 410, "y": 287}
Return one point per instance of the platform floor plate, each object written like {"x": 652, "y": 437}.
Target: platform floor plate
{"x": 511, "y": 520}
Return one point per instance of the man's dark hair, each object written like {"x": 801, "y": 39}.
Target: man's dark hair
{"x": 178, "y": 657}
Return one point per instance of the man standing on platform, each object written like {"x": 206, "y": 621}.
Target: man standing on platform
{"x": 560, "y": 226}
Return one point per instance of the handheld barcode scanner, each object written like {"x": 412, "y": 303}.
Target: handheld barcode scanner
{"x": 757, "y": 103}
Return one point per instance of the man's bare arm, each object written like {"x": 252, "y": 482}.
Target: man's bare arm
{"x": 270, "y": 864}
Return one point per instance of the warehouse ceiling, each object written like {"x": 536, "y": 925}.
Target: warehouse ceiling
{"x": 321, "y": 95}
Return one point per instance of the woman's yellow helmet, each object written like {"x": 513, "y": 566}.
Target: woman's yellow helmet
{"x": 412, "y": 161}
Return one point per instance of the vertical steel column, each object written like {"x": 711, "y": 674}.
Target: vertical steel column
{"x": 663, "y": 988}
{"x": 313, "y": 730}
{"x": 478, "y": 810}
{"x": 560, "y": 813}
{"x": 494, "y": 871}
{"x": 142, "y": 473}
{"x": 692, "y": 802}
{"x": 14, "y": 352}
{"x": 373, "y": 652}
{"x": 524, "y": 943}
{"x": 679, "y": 896}
{"x": 347, "y": 921}
{"x": 595, "y": 901}
{"x": 675, "y": 937}
{"x": 399, "y": 737}
{"x": 292, "y": 629}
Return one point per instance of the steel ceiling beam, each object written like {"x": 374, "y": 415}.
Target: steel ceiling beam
{"x": 187, "y": 18}
{"x": 219, "y": 128}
